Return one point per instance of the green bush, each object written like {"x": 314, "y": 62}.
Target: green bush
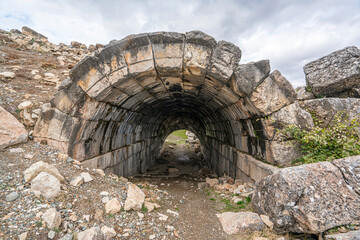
{"x": 338, "y": 139}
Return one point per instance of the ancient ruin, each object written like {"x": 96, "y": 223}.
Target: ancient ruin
{"x": 118, "y": 106}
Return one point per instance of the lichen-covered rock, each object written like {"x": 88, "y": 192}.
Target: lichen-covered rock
{"x": 326, "y": 109}
{"x": 334, "y": 73}
{"x": 311, "y": 198}
{"x": 11, "y": 130}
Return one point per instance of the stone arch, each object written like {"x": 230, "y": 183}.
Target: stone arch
{"x": 119, "y": 105}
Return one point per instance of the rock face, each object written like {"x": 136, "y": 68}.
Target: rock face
{"x": 311, "y": 198}
{"x": 335, "y": 73}
{"x": 234, "y": 223}
{"x": 135, "y": 198}
{"x": 11, "y": 130}
{"x": 38, "y": 167}
{"x": 30, "y": 32}
{"x": 46, "y": 184}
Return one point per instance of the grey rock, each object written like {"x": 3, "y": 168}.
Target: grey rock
{"x": 334, "y": 73}
{"x": 12, "y": 196}
{"x": 325, "y": 109}
{"x": 352, "y": 235}
{"x": 51, "y": 234}
{"x": 310, "y": 198}
{"x": 235, "y": 223}
{"x": 285, "y": 86}
{"x": 248, "y": 76}
{"x": 67, "y": 236}
{"x": 15, "y": 31}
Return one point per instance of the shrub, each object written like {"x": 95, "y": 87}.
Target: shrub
{"x": 338, "y": 139}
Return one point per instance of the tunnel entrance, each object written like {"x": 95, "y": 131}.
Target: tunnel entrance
{"x": 118, "y": 107}
{"x": 180, "y": 157}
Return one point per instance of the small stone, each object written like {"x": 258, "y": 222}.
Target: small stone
{"x": 103, "y": 193}
{"x": 152, "y": 236}
{"x": 7, "y": 75}
{"x": 135, "y": 198}
{"x": 212, "y": 182}
{"x": 61, "y": 156}
{"x": 105, "y": 199}
{"x": 151, "y": 206}
{"x": 12, "y": 196}
{"x": 51, "y": 234}
{"x": 109, "y": 232}
{"x": 235, "y": 223}
{"x": 73, "y": 217}
{"x": 172, "y": 212}
{"x": 267, "y": 221}
{"x": 176, "y": 234}
{"x": 86, "y": 176}
{"x": 93, "y": 233}
{"x": 37, "y": 77}
{"x": 202, "y": 185}
{"x": 47, "y": 184}
{"x": 52, "y": 218}
{"x": 99, "y": 215}
{"x": 140, "y": 215}
{"x": 28, "y": 156}
{"x": 77, "y": 181}
{"x": 86, "y": 218}
{"x": 162, "y": 217}
{"x": 113, "y": 206}
{"x": 173, "y": 170}
{"x": 25, "y": 105}
{"x": 100, "y": 172}
{"x": 23, "y": 236}
{"x": 67, "y": 236}
{"x": 34, "y": 71}
{"x": 17, "y": 150}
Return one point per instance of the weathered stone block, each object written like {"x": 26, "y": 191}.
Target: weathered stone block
{"x": 334, "y": 73}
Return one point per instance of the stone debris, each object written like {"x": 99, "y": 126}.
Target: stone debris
{"x": 109, "y": 232}
{"x": 12, "y": 196}
{"x": 77, "y": 181}
{"x": 235, "y": 223}
{"x": 151, "y": 206}
{"x": 11, "y": 130}
{"x": 38, "y": 167}
{"x": 7, "y": 75}
{"x": 51, "y": 234}
{"x": 135, "y": 198}
{"x": 86, "y": 176}
{"x": 25, "y": 105}
{"x": 162, "y": 217}
{"x": 113, "y": 206}
{"x": 46, "y": 184}
{"x": 52, "y": 218}
{"x": 93, "y": 233}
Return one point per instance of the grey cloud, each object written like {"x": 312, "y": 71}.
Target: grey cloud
{"x": 289, "y": 33}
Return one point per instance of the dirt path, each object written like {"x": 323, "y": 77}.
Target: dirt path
{"x": 197, "y": 213}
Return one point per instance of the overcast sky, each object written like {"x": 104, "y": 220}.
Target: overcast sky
{"x": 288, "y": 33}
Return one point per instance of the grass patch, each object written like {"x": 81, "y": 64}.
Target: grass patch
{"x": 180, "y": 133}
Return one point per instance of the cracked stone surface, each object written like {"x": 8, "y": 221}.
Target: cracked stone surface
{"x": 311, "y": 198}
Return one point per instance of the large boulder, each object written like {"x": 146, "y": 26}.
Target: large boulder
{"x": 311, "y": 198}
{"x": 32, "y": 33}
{"x": 335, "y": 73}
{"x": 11, "y": 130}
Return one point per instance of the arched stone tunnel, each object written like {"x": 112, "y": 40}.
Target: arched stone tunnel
{"x": 119, "y": 105}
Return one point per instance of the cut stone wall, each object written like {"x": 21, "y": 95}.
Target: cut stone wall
{"x": 118, "y": 106}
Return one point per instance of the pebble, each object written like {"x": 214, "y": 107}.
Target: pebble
{"x": 51, "y": 234}
{"x": 12, "y": 196}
